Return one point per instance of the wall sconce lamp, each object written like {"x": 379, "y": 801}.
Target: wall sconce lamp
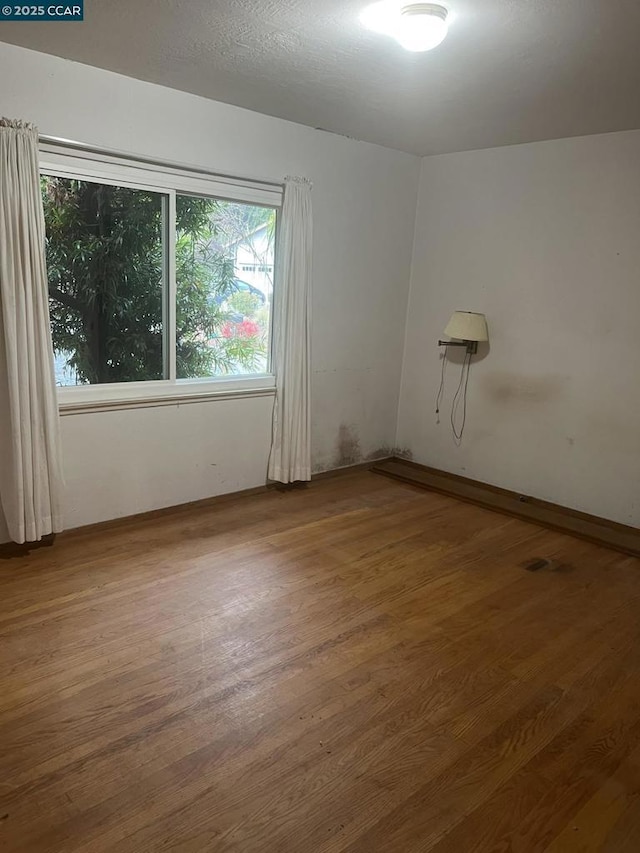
{"x": 468, "y": 328}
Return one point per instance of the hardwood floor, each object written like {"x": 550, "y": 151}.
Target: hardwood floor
{"x": 356, "y": 667}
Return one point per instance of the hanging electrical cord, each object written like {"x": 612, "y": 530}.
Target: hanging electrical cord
{"x": 458, "y": 399}
{"x": 441, "y": 388}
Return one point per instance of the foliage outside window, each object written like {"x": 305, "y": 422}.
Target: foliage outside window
{"x": 110, "y": 285}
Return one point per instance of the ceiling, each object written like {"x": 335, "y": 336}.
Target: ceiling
{"x": 510, "y": 71}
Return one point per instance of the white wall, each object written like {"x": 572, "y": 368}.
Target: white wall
{"x": 364, "y": 205}
{"x": 544, "y": 239}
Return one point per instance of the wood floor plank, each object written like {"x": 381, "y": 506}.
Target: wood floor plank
{"x": 356, "y": 666}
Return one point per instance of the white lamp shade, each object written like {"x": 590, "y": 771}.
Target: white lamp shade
{"x": 467, "y": 326}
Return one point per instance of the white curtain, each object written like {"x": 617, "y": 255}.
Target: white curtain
{"x": 30, "y": 458}
{"x": 290, "y": 458}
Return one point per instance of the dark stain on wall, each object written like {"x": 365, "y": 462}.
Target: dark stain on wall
{"x": 386, "y": 451}
{"x": 347, "y": 447}
{"x": 348, "y": 451}
{"x": 506, "y": 387}
{"x": 383, "y": 452}
{"x": 403, "y": 453}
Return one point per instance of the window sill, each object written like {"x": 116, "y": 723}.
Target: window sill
{"x": 109, "y": 398}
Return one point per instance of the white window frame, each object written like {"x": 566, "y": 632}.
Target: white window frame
{"x": 170, "y": 181}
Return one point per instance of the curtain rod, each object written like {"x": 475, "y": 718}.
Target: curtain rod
{"x": 138, "y": 158}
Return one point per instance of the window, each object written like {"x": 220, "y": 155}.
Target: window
{"x": 222, "y": 322}
{"x": 106, "y": 266}
{"x": 148, "y": 279}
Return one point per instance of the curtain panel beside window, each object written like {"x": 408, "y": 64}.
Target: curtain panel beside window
{"x": 290, "y": 458}
{"x": 30, "y": 456}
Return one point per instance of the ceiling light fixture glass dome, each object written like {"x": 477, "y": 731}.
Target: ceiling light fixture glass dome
{"x": 416, "y": 26}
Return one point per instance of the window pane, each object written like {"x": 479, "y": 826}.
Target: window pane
{"x": 105, "y": 261}
{"x": 224, "y": 281}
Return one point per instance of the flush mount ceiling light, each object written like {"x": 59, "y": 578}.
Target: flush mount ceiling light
{"x": 416, "y": 26}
